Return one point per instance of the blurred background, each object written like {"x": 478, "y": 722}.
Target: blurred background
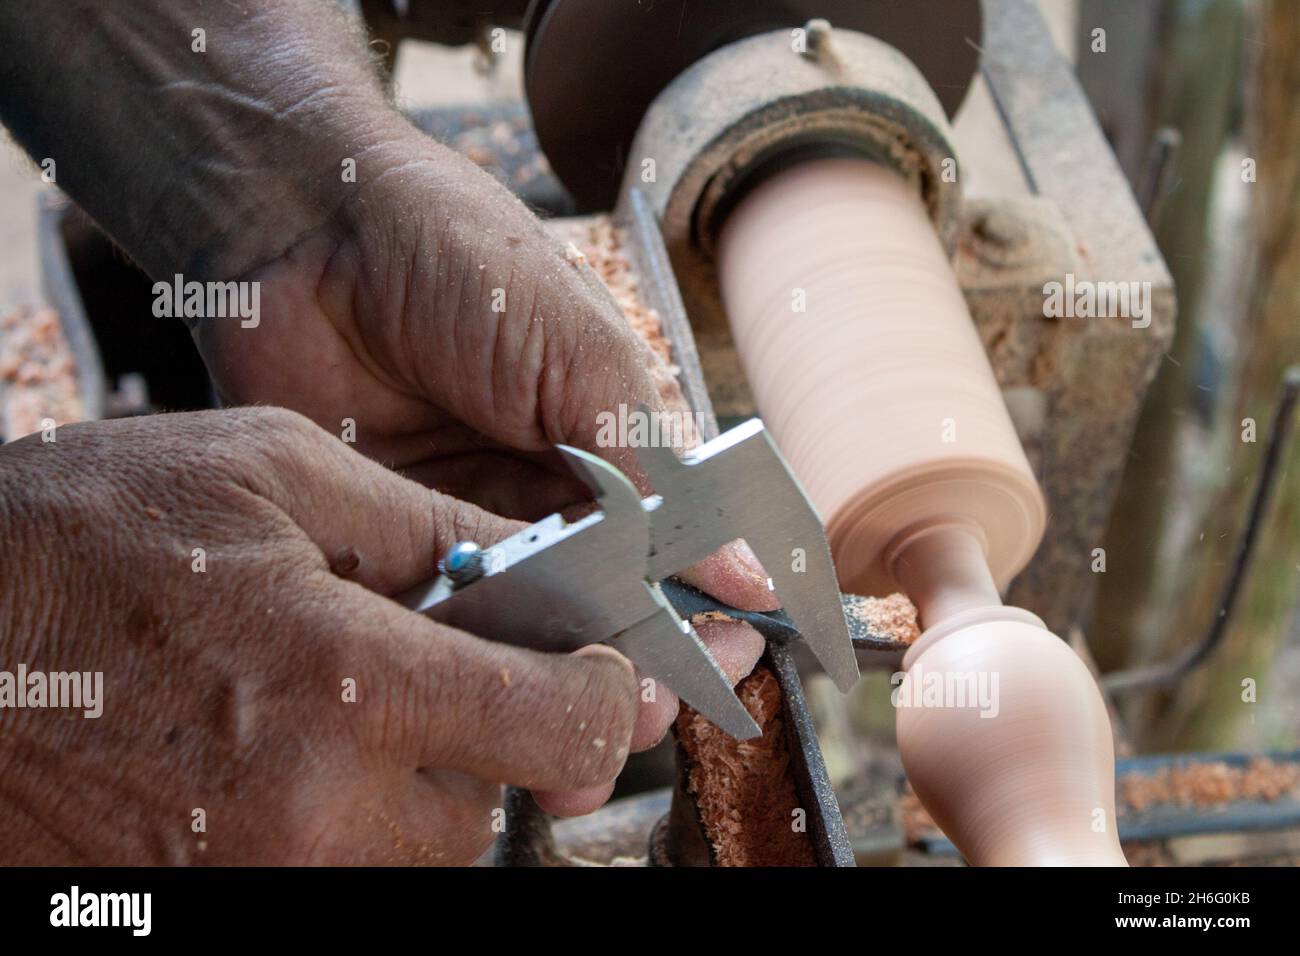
{"x": 1214, "y": 83}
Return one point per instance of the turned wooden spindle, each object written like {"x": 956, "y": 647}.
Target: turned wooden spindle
{"x": 1030, "y": 781}
{"x": 881, "y": 396}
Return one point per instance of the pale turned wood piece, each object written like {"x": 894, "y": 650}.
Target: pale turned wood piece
{"x": 880, "y": 393}
{"x": 1030, "y": 780}
{"x": 881, "y": 396}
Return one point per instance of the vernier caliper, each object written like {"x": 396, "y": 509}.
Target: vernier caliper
{"x": 559, "y": 585}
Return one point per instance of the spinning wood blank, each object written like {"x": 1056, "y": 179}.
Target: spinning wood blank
{"x": 880, "y": 393}
{"x": 867, "y": 368}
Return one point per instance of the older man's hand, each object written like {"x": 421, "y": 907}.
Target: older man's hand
{"x": 262, "y": 701}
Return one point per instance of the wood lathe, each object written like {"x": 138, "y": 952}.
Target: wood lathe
{"x": 841, "y": 216}
{"x": 804, "y": 179}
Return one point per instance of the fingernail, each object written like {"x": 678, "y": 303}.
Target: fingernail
{"x": 607, "y": 653}
{"x": 747, "y": 568}
{"x": 573, "y": 803}
{"x": 734, "y": 645}
{"x": 747, "y": 563}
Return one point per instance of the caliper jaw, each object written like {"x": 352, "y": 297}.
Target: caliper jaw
{"x": 739, "y": 486}
{"x": 557, "y": 586}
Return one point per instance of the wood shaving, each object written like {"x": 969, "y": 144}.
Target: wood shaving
{"x": 601, "y": 243}
{"x": 1211, "y": 784}
{"x": 506, "y": 148}
{"x": 706, "y": 616}
{"x": 893, "y": 616}
{"x": 575, "y": 255}
{"x": 745, "y": 789}
{"x": 1203, "y": 784}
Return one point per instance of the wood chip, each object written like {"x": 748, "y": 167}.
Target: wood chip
{"x": 893, "y": 617}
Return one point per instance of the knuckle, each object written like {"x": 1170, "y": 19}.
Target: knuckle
{"x": 423, "y": 708}
{"x": 278, "y": 425}
{"x": 599, "y": 719}
{"x": 415, "y": 712}
{"x": 449, "y": 524}
{"x": 455, "y": 520}
{"x": 265, "y": 446}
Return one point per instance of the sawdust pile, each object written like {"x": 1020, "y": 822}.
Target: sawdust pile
{"x": 1208, "y": 785}
{"x": 1211, "y": 784}
{"x": 893, "y": 617}
{"x": 38, "y": 378}
{"x": 601, "y": 245}
{"x": 745, "y": 789}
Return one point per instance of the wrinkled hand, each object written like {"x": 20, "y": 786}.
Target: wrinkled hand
{"x": 391, "y": 316}
{"x": 226, "y": 671}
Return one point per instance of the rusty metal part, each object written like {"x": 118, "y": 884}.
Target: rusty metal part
{"x": 1069, "y": 373}
{"x": 593, "y": 67}
{"x": 527, "y": 839}
{"x": 756, "y": 103}
{"x": 1164, "y": 673}
{"x": 825, "y": 825}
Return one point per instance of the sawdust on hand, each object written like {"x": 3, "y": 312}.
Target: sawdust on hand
{"x": 600, "y": 243}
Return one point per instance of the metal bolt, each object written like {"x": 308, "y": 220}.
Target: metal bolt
{"x": 818, "y": 37}
{"x": 463, "y": 562}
